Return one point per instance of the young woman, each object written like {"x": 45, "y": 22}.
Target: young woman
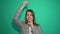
{"x": 29, "y": 26}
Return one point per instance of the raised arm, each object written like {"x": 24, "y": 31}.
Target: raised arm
{"x": 16, "y": 17}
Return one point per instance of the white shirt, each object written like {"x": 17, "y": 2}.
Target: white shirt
{"x": 30, "y": 30}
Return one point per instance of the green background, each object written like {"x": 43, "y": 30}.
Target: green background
{"x": 47, "y": 13}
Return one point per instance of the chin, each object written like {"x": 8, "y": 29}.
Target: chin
{"x": 29, "y": 20}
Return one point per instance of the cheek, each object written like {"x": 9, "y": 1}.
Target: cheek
{"x": 27, "y": 17}
{"x": 31, "y": 17}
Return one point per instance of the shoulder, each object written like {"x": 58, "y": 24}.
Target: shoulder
{"x": 38, "y": 26}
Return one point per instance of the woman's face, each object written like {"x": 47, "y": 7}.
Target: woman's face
{"x": 29, "y": 16}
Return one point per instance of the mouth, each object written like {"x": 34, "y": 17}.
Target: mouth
{"x": 29, "y": 18}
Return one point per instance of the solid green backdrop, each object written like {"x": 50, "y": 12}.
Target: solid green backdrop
{"x": 47, "y": 14}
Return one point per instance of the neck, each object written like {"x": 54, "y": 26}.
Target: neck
{"x": 30, "y": 23}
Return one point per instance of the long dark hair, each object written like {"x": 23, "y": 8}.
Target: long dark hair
{"x": 33, "y": 17}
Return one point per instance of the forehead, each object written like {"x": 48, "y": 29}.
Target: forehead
{"x": 29, "y": 12}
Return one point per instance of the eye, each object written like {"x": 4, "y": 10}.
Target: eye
{"x": 27, "y": 14}
{"x": 30, "y": 14}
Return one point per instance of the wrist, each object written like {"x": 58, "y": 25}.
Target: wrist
{"x": 24, "y": 5}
